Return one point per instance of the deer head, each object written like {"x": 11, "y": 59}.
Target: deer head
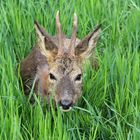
{"x": 65, "y": 57}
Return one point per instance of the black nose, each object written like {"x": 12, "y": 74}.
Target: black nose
{"x": 66, "y": 104}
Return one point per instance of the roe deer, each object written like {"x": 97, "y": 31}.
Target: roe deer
{"x": 55, "y": 65}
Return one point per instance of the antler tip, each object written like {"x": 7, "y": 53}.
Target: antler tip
{"x": 75, "y": 15}
{"x": 75, "y": 19}
{"x": 57, "y": 13}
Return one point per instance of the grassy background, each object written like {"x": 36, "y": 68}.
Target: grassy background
{"x": 110, "y": 106}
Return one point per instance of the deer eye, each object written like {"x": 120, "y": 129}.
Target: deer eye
{"x": 52, "y": 77}
{"x": 78, "y": 77}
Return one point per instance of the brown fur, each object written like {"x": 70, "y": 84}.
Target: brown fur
{"x": 55, "y": 64}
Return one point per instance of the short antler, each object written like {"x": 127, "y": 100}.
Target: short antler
{"x": 59, "y": 33}
{"x": 73, "y": 38}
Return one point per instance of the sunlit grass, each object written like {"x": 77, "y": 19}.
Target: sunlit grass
{"x": 110, "y": 106}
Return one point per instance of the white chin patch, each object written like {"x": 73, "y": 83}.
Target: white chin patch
{"x": 65, "y": 110}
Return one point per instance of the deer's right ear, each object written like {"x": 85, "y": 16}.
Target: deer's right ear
{"x": 46, "y": 44}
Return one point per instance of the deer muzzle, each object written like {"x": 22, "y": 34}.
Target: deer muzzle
{"x": 65, "y": 92}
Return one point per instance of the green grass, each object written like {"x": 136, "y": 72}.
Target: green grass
{"x": 110, "y": 106}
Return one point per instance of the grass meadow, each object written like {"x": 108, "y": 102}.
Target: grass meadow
{"x": 110, "y": 106}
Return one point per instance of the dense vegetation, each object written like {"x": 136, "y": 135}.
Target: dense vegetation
{"x": 110, "y": 105}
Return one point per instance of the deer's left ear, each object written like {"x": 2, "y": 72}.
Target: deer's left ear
{"x": 85, "y": 46}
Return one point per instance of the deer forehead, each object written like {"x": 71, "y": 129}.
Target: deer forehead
{"x": 65, "y": 66}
